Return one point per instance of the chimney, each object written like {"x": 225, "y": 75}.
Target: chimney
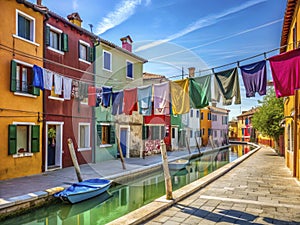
{"x": 191, "y": 71}
{"x": 75, "y": 19}
{"x": 39, "y": 2}
{"x": 127, "y": 43}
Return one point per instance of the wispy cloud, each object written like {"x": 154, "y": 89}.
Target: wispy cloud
{"x": 122, "y": 12}
{"x": 75, "y": 5}
{"x": 202, "y": 22}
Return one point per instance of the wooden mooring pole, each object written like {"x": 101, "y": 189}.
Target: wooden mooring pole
{"x": 74, "y": 159}
{"x": 121, "y": 154}
{"x": 188, "y": 144}
{"x": 168, "y": 181}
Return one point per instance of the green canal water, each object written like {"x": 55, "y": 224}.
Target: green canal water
{"x": 122, "y": 199}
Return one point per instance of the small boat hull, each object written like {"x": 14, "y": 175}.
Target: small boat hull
{"x": 178, "y": 164}
{"x": 84, "y": 190}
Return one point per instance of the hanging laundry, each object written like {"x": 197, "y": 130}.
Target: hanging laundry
{"x": 75, "y": 84}
{"x": 67, "y": 88}
{"x": 180, "y": 96}
{"x": 205, "y": 84}
{"x": 227, "y": 85}
{"x": 57, "y": 84}
{"x": 144, "y": 99}
{"x": 285, "y": 72}
{"x": 92, "y": 96}
{"x": 130, "y": 101}
{"x": 161, "y": 99}
{"x": 198, "y": 97}
{"x": 255, "y": 78}
{"x": 117, "y": 103}
{"x": 38, "y": 77}
{"x": 48, "y": 79}
{"x": 82, "y": 90}
{"x": 106, "y": 96}
{"x": 98, "y": 96}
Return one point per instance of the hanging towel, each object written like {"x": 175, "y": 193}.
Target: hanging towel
{"x": 98, "y": 96}
{"x": 75, "y": 84}
{"x": 285, "y": 72}
{"x": 92, "y": 96}
{"x": 106, "y": 95}
{"x": 130, "y": 101}
{"x": 180, "y": 96}
{"x": 82, "y": 90}
{"x": 227, "y": 85}
{"x": 161, "y": 98}
{"x": 117, "y": 103}
{"x": 67, "y": 88}
{"x": 205, "y": 84}
{"x": 57, "y": 84}
{"x": 38, "y": 77}
{"x": 255, "y": 78}
{"x": 48, "y": 79}
{"x": 198, "y": 95}
{"x": 144, "y": 99}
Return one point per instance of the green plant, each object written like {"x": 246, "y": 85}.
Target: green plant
{"x": 51, "y": 133}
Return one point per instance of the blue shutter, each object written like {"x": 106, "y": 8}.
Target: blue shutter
{"x": 47, "y": 35}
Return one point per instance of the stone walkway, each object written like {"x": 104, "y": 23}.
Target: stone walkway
{"x": 261, "y": 190}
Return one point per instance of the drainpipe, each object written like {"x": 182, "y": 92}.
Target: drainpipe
{"x": 295, "y": 171}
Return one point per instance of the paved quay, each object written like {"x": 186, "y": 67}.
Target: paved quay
{"x": 260, "y": 190}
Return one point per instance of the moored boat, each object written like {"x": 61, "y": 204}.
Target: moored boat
{"x": 178, "y": 164}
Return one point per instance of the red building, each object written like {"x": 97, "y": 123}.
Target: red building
{"x": 69, "y": 54}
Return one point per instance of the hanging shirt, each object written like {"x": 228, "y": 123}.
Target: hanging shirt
{"x": 48, "y": 79}
{"x": 67, "y": 88}
{"x": 227, "y": 85}
{"x": 205, "y": 85}
{"x": 117, "y": 103}
{"x": 255, "y": 78}
{"x": 161, "y": 98}
{"x": 38, "y": 77}
{"x": 198, "y": 97}
{"x": 285, "y": 72}
{"x": 144, "y": 100}
{"x": 98, "y": 96}
{"x": 92, "y": 96}
{"x": 180, "y": 96}
{"x": 106, "y": 96}
{"x": 57, "y": 84}
{"x": 130, "y": 101}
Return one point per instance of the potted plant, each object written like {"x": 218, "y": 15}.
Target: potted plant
{"x": 52, "y": 136}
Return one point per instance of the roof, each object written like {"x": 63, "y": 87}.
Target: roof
{"x": 217, "y": 109}
{"x": 149, "y": 76}
{"x": 288, "y": 18}
{"x": 42, "y": 10}
{"x": 249, "y": 112}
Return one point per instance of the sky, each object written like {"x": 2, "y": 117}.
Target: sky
{"x": 178, "y": 34}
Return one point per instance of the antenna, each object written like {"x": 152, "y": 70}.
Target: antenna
{"x": 91, "y": 27}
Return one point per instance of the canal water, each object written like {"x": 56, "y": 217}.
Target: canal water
{"x": 122, "y": 199}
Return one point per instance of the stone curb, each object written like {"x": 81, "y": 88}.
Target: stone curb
{"x": 148, "y": 211}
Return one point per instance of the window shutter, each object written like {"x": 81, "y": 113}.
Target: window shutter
{"x": 79, "y": 50}
{"x": 145, "y": 133}
{"x": 34, "y": 90}
{"x": 64, "y": 42}
{"x": 12, "y": 139}
{"x": 47, "y": 35}
{"x": 35, "y": 138}
{"x": 112, "y": 135}
{"x": 90, "y": 53}
{"x": 13, "y": 76}
{"x": 99, "y": 135}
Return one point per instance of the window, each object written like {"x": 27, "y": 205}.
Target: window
{"x": 25, "y": 26}
{"x": 203, "y": 131}
{"x": 295, "y": 44}
{"x": 56, "y": 40}
{"x": 154, "y": 132}
{"x": 86, "y": 53}
{"x": 224, "y": 120}
{"x": 191, "y": 113}
{"x": 209, "y": 131}
{"x": 215, "y": 133}
{"x": 209, "y": 116}
{"x": 191, "y": 133}
{"x": 84, "y": 136}
{"x": 23, "y": 138}
{"x": 197, "y": 113}
{"x": 106, "y": 60}
{"x": 129, "y": 69}
{"x": 202, "y": 116}
{"x": 105, "y": 134}
{"x": 22, "y": 78}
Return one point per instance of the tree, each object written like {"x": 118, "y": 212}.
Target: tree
{"x": 268, "y": 117}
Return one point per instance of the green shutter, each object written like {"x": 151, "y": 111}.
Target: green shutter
{"x": 13, "y": 76}
{"x": 91, "y": 57}
{"x": 35, "y": 138}
{"x": 145, "y": 133}
{"x": 34, "y": 90}
{"x": 99, "y": 135}
{"x": 112, "y": 135}
{"x": 12, "y": 139}
{"x": 47, "y": 35}
{"x": 64, "y": 42}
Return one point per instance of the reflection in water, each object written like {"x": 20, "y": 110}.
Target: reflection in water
{"x": 123, "y": 199}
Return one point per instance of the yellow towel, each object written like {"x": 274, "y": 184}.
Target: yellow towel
{"x": 180, "y": 96}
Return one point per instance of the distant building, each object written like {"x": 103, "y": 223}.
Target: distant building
{"x": 233, "y": 129}
{"x": 245, "y": 128}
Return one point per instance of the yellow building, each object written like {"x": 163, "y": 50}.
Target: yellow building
{"x": 290, "y": 40}
{"x": 233, "y": 130}
{"x": 21, "y": 47}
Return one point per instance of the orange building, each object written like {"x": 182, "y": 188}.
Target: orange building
{"x": 21, "y": 105}
{"x": 205, "y": 125}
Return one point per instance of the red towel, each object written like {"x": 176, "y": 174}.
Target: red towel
{"x": 91, "y": 96}
{"x": 130, "y": 101}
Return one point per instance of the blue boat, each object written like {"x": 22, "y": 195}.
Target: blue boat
{"x": 84, "y": 190}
